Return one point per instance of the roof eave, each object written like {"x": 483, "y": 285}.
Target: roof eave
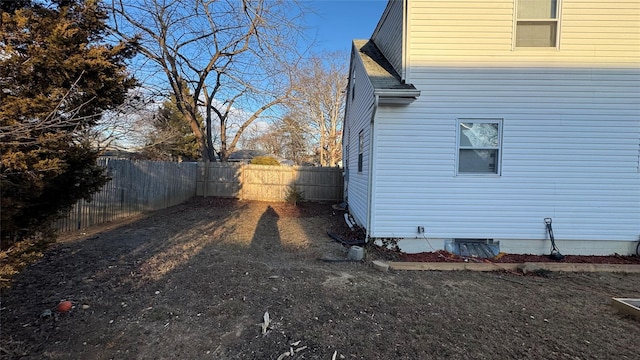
{"x": 397, "y": 96}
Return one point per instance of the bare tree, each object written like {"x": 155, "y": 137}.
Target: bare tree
{"x": 287, "y": 137}
{"x": 295, "y": 139}
{"x": 320, "y": 99}
{"x": 268, "y": 141}
{"x": 216, "y": 55}
{"x": 103, "y": 129}
{"x": 125, "y": 127}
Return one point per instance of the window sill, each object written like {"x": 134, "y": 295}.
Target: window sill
{"x": 537, "y": 49}
{"x": 478, "y": 175}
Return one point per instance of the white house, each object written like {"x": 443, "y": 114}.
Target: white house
{"x": 478, "y": 119}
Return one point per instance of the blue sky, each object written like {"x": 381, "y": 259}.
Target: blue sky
{"x": 337, "y": 22}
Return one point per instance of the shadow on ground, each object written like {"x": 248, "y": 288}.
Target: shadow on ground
{"x": 194, "y": 282}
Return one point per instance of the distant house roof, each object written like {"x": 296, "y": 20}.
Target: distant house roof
{"x": 245, "y": 155}
{"x": 384, "y": 78}
{"x": 248, "y": 155}
{"x": 112, "y": 153}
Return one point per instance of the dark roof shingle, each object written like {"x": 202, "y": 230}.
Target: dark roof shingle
{"x": 379, "y": 70}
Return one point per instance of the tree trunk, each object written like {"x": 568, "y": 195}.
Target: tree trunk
{"x": 193, "y": 123}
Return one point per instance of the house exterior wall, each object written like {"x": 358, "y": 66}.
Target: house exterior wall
{"x": 358, "y": 117}
{"x": 473, "y": 33}
{"x": 571, "y": 128}
{"x": 388, "y": 34}
{"x": 572, "y": 158}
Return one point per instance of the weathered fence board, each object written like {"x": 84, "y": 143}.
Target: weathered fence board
{"x": 135, "y": 187}
{"x": 269, "y": 183}
{"x": 140, "y": 186}
{"x": 221, "y": 180}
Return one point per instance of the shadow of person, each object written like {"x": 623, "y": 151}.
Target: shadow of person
{"x": 266, "y": 238}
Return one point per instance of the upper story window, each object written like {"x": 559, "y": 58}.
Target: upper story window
{"x": 479, "y": 146}
{"x": 353, "y": 86}
{"x": 537, "y": 23}
{"x": 360, "y": 150}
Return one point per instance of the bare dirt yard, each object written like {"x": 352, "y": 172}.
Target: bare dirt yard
{"x": 194, "y": 282}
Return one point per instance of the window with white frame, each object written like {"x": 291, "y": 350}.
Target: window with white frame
{"x": 479, "y": 146}
{"x": 537, "y": 23}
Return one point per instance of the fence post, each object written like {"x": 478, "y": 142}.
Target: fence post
{"x": 206, "y": 178}
{"x": 79, "y": 215}
{"x": 242, "y": 180}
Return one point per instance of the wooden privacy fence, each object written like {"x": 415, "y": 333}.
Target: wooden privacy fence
{"x": 135, "y": 187}
{"x": 141, "y": 186}
{"x": 269, "y": 183}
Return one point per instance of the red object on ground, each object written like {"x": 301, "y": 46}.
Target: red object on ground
{"x": 64, "y": 306}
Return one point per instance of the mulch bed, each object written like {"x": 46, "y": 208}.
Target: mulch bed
{"x": 340, "y": 232}
{"x": 443, "y": 256}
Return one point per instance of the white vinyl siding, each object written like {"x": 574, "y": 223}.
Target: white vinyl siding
{"x": 388, "y": 34}
{"x": 571, "y": 129}
{"x": 474, "y": 33}
{"x": 357, "y": 123}
{"x": 569, "y": 152}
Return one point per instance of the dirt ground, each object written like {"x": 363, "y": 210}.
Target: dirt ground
{"x": 194, "y": 282}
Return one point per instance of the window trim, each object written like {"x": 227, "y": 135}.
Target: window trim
{"x": 499, "y": 148}
{"x": 353, "y": 84}
{"x": 360, "y": 150}
{"x": 558, "y": 21}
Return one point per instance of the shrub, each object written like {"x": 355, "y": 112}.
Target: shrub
{"x": 294, "y": 195}
{"x": 264, "y": 160}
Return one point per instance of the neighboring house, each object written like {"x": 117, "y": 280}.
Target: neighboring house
{"x": 245, "y": 156}
{"x": 113, "y": 153}
{"x": 478, "y": 119}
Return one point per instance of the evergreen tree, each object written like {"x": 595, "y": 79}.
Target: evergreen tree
{"x": 57, "y": 76}
{"x": 172, "y": 138}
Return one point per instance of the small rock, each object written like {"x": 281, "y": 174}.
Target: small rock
{"x": 380, "y": 265}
